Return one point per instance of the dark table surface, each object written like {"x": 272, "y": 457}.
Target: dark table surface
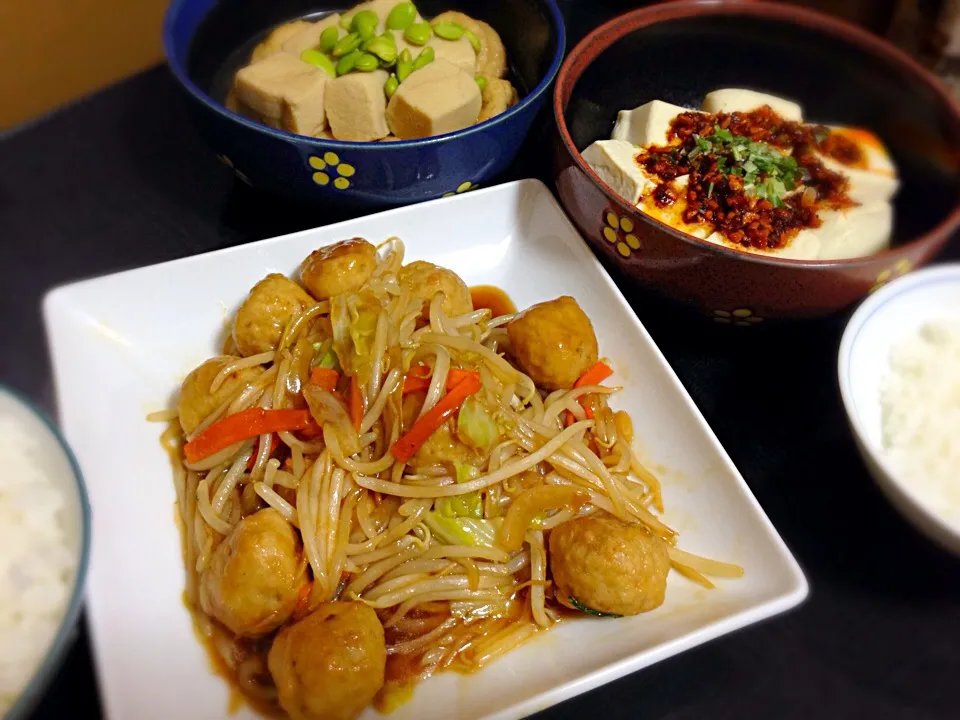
{"x": 121, "y": 180}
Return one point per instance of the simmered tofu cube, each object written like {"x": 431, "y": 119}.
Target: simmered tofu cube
{"x": 615, "y": 162}
{"x": 309, "y": 37}
{"x": 867, "y": 187}
{"x": 356, "y": 106}
{"x": 273, "y": 43}
{"x": 303, "y": 107}
{"x": 438, "y": 98}
{"x": 457, "y": 52}
{"x": 263, "y": 85}
{"x": 737, "y": 99}
{"x": 854, "y": 232}
{"x": 648, "y": 124}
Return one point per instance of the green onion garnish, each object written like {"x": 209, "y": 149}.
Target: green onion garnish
{"x": 590, "y": 611}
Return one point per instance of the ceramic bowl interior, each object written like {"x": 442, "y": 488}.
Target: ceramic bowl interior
{"x": 228, "y": 32}
{"x": 888, "y": 317}
{"x": 837, "y": 79}
{"x": 54, "y": 459}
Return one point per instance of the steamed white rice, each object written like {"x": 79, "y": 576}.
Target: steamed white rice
{"x": 920, "y": 406}
{"x": 36, "y": 565}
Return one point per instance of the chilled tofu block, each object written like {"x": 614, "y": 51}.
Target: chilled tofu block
{"x": 263, "y": 85}
{"x": 615, "y": 162}
{"x": 303, "y": 107}
{"x": 875, "y": 154}
{"x": 456, "y": 52}
{"x": 309, "y": 37}
{"x": 867, "y": 187}
{"x": 736, "y": 99}
{"x": 356, "y": 105}
{"x": 648, "y": 124}
{"x": 855, "y": 232}
{"x": 436, "y": 99}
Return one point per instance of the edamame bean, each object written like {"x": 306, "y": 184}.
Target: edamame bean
{"x": 365, "y": 24}
{"x": 404, "y": 64}
{"x": 425, "y": 57}
{"x": 384, "y": 47}
{"x": 346, "y": 45}
{"x": 348, "y": 62}
{"x": 481, "y": 82}
{"x": 401, "y": 16}
{"x": 418, "y": 33}
{"x": 318, "y": 59}
{"x": 448, "y": 30}
{"x": 329, "y": 37}
{"x": 391, "y": 85}
{"x": 346, "y": 21}
{"x": 472, "y": 37}
{"x": 366, "y": 62}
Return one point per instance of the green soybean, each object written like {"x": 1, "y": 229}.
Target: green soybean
{"x": 404, "y": 64}
{"x": 345, "y": 22}
{"x": 474, "y": 40}
{"x": 481, "y": 82}
{"x": 366, "y": 62}
{"x": 384, "y": 47}
{"x": 329, "y": 37}
{"x": 365, "y": 24}
{"x": 346, "y": 45}
{"x": 425, "y": 57}
{"x": 318, "y": 59}
{"x": 401, "y": 16}
{"x": 391, "y": 85}
{"x": 348, "y": 62}
{"x": 418, "y": 33}
{"x": 448, "y": 30}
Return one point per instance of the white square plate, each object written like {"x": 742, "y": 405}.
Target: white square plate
{"x": 121, "y": 345}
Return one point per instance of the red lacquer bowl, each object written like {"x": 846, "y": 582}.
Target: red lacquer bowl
{"x": 841, "y": 75}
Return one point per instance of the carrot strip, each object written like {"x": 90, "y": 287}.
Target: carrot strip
{"x": 449, "y": 404}
{"x": 324, "y": 377}
{"x": 595, "y": 374}
{"x": 356, "y": 402}
{"x": 242, "y": 425}
{"x": 416, "y": 381}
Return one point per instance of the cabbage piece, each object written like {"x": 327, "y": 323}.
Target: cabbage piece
{"x": 462, "y": 530}
{"x": 331, "y": 414}
{"x": 476, "y": 425}
{"x": 354, "y": 319}
{"x": 469, "y": 505}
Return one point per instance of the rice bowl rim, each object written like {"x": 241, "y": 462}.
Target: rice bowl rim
{"x": 54, "y": 654}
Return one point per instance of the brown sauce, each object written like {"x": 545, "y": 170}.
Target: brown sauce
{"x": 492, "y": 298}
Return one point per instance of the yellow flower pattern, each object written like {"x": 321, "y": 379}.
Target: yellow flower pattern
{"x": 618, "y": 231}
{"x": 902, "y": 267}
{"x": 329, "y": 169}
{"x": 463, "y": 187}
{"x": 741, "y": 316}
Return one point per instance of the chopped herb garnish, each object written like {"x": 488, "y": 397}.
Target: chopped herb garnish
{"x": 710, "y": 191}
{"x": 590, "y": 611}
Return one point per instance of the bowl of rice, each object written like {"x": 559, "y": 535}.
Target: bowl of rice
{"x": 899, "y": 373}
{"x": 45, "y": 536}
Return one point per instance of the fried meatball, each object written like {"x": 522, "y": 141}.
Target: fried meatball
{"x": 197, "y": 402}
{"x": 338, "y": 268}
{"x": 272, "y": 303}
{"x": 608, "y": 565}
{"x": 492, "y": 58}
{"x": 425, "y": 279}
{"x": 254, "y": 577}
{"x": 553, "y": 342}
{"x": 497, "y": 95}
{"x": 331, "y": 664}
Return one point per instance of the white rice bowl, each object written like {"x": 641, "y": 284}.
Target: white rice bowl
{"x": 44, "y": 536}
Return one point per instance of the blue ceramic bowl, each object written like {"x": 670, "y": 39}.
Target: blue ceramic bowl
{"x": 206, "y": 40}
